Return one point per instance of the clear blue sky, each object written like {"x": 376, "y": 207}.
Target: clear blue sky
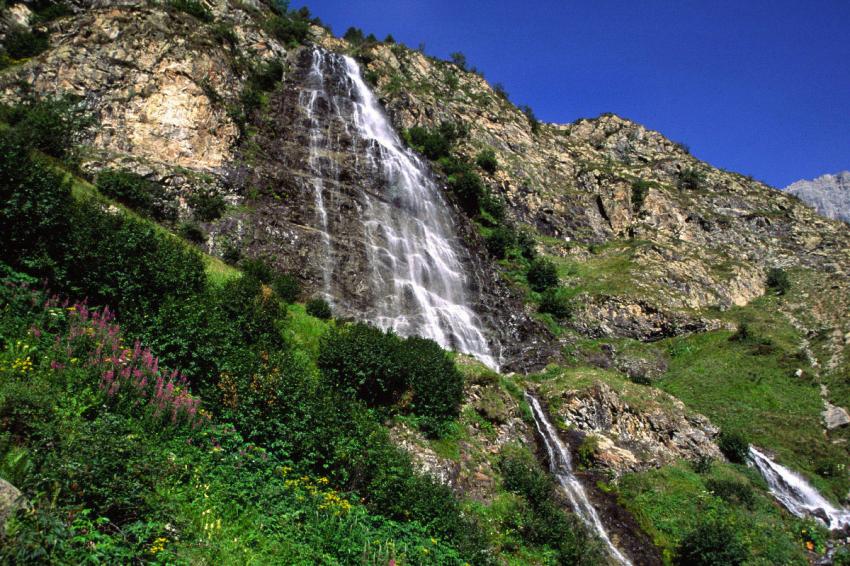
{"x": 758, "y": 87}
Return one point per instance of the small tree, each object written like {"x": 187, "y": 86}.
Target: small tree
{"x": 777, "y": 280}
{"x": 556, "y": 302}
{"x": 499, "y": 241}
{"x": 319, "y": 308}
{"x": 691, "y": 179}
{"x": 533, "y": 122}
{"x": 714, "y": 542}
{"x": 542, "y": 274}
{"x": 486, "y": 159}
{"x": 734, "y": 446}
{"x": 459, "y": 59}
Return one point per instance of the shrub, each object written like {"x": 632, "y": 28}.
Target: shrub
{"x": 458, "y": 59}
{"x": 192, "y": 232}
{"x": 533, "y": 122}
{"x": 486, "y": 159}
{"x": 500, "y": 91}
{"x": 207, "y": 204}
{"x": 468, "y": 188}
{"x": 734, "y": 445}
{"x": 366, "y": 361}
{"x": 224, "y": 34}
{"x": 51, "y": 125}
{"x": 499, "y": 241}
{"x": 778, "y": 281}
{"x": 494, "y": 206}
{"x": 732, "y": 491}
{"x": 436, "y": 383}
{"x": 192, "y": 7}
{"x": 145, "y": 196}
{"x": 35, "y": 203}
{"x": 542, "y": 274}
{"x": 319, "y": 308}
{"x": 354, "y": 35}
{"x": 526, "y": 243}
{"x": 556, "y": 302}
{"x": 713, "y": 542}
{"x": 291, "y": 28}
{"x": 259, "y": 268}
{"x": 691, "y": 179}
{"x": 639, "y": 190}
{"x": 287, "y": 287}
{"x": 21, "y": 43}
{"x": 587, "y": 450}
{"x": 703, "y": 464}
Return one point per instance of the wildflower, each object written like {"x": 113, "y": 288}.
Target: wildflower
{"x": 158, "y": 545}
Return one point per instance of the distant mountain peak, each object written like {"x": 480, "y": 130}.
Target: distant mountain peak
{"x": 828, "y": 194}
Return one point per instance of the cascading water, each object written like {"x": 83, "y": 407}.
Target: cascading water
{"x": 560, "y": 466}
{"x": 796, "y": 494}
{"x": 417, "y": 281}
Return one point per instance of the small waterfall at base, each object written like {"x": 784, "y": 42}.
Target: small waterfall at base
{"x": 560, "y": 465}
{"x": 796, "y": 494}
{"x": 416, "y": 279}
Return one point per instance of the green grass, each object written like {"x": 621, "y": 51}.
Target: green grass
{"x": 751, "y": 387}
{"x": 669, "y": 502}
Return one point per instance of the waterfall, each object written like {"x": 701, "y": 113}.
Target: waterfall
{"x": 417, "y": 281}
{"x": 560, "y": 466}
{"x": 796, "y": 494}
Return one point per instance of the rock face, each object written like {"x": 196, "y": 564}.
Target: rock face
{"x": 828, "y": 194}
{"x": 11, "y": 499}
{"x": 631, "y": 438}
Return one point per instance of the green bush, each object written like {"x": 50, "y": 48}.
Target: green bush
{"x": 287, "y": 287}
{"x": 555, "y": 301}
{"x": 437, "y": 143}
{"x": 494, "y": 206}
{"x": 778, "y": 281}
{"x": 259, "y": 268}
{"x": 640, "y": 188}
{"x": 193, "y": 232}
{"x": 146, "y": 197}
{"x": 486, "y": 159}
{"x": 319, "y": 308}
{"x": 714, "y": 542}
{"x": 192, "y": 7}
{"x": 354, "y": 35}
{"x": 500, "y": 241}
{"x": 587, "y": 451}
{"x": 290, "y": 28}
{"x": 734, "y": 445}
{"x": 207, "y": 204}
{"x": 468, "y": 188}
{"x": 533, "y": 122}
{"x": 436, "y": 383}
{"x": 542, "y": 274}
{"x": 21, "y": 43}
{"x": 732, "y": 491}
{"x": 51, "y": 125}
{"x": 526, "y": 243}
{"x": 224, "y": 33}
{"x": 690, "y": 179}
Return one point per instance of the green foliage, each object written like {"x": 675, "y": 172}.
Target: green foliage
{"x": 467, "y": 187}
{"x": 533, "y": 122}
{"x": 499, "y": 241}
{"x": 192, "y": 7}
{"x": 494, "y": 206}
{"x": 501, "y": 92}
{"x": 486, "y": 159}
{"x": 146, "y": 197}
{"x": 51, "y": 125}
{"x": 192, "y": 231}
{"x": 714, "y": 542}
{"x": 778, "y": 281}
{"x": 21, "y": 43}
{"x": 224, "y": 33}
{"x": 207, "y": 204}
{"x": 459, "y": 59}
{"x": 640, "y": 188}
{"x": 287, "y": 287}
{"x": 319, "y": 308}
{"x": 258, "y": 268}
{"x": 587, "y": 451}
{"x": 542, "y": 274}
{"x": 436, "y": 383}
{"x": 734, "y": 445}
{"x": 556, "y": 301}
{"x": 690, "y": 179}
{"x": 290, "y": 27}
{"x": 732, "y": 491}
{"x": 354, "y": 35}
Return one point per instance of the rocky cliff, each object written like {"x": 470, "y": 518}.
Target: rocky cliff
{"x": 828, "y": 194}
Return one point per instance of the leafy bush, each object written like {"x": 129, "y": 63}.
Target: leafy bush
{"x": 639, "y": 190}
{"x": 691, "y": 179}
{"x": 193, "y": 232}
{"x": 713, "y": 542}
{"x": 486, "y": 159}
{"x": 287, "y": 287}
{"x": 533, "y": 122}
{"x": 319, "y": 308}
{"x": 21, "y": 43}
{"x": 436, "y": 383}
{"x": 436, "y": 143}
{"x": 732, "y": 491}
{"x": 259, "y": 268}
{"x": 192, "y": 7}
{"x": 526, "y": 243}
{"x": 734, "y": 446}
{"x": 587, "y": 450}
{"x": 556, "y": 302}
{"x": 459, "y": 59}
{"x": 145, "y": 196}
{"x": 468, "y": 188}
{"x": 542, "y": 274}
{"x": 499, "y": 241}
{"x": 494, "y": 206}
{"x": 291, "y": 28}
{"x": 778, "y": 281}
{"x": 207, "y": 204}
{"x": 51, "y": 125}
{"x": 354, "y": 35}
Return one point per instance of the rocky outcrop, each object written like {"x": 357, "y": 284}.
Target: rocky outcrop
{"x": 11, "y": 499}
{"x": 828, "y": 194}
{"x": 631, "y": 438}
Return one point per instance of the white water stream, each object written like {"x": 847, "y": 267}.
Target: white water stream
{"x": 796, "y": 494}
{"x": 560, "y": 465}
{"x": 417, "y": 280}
